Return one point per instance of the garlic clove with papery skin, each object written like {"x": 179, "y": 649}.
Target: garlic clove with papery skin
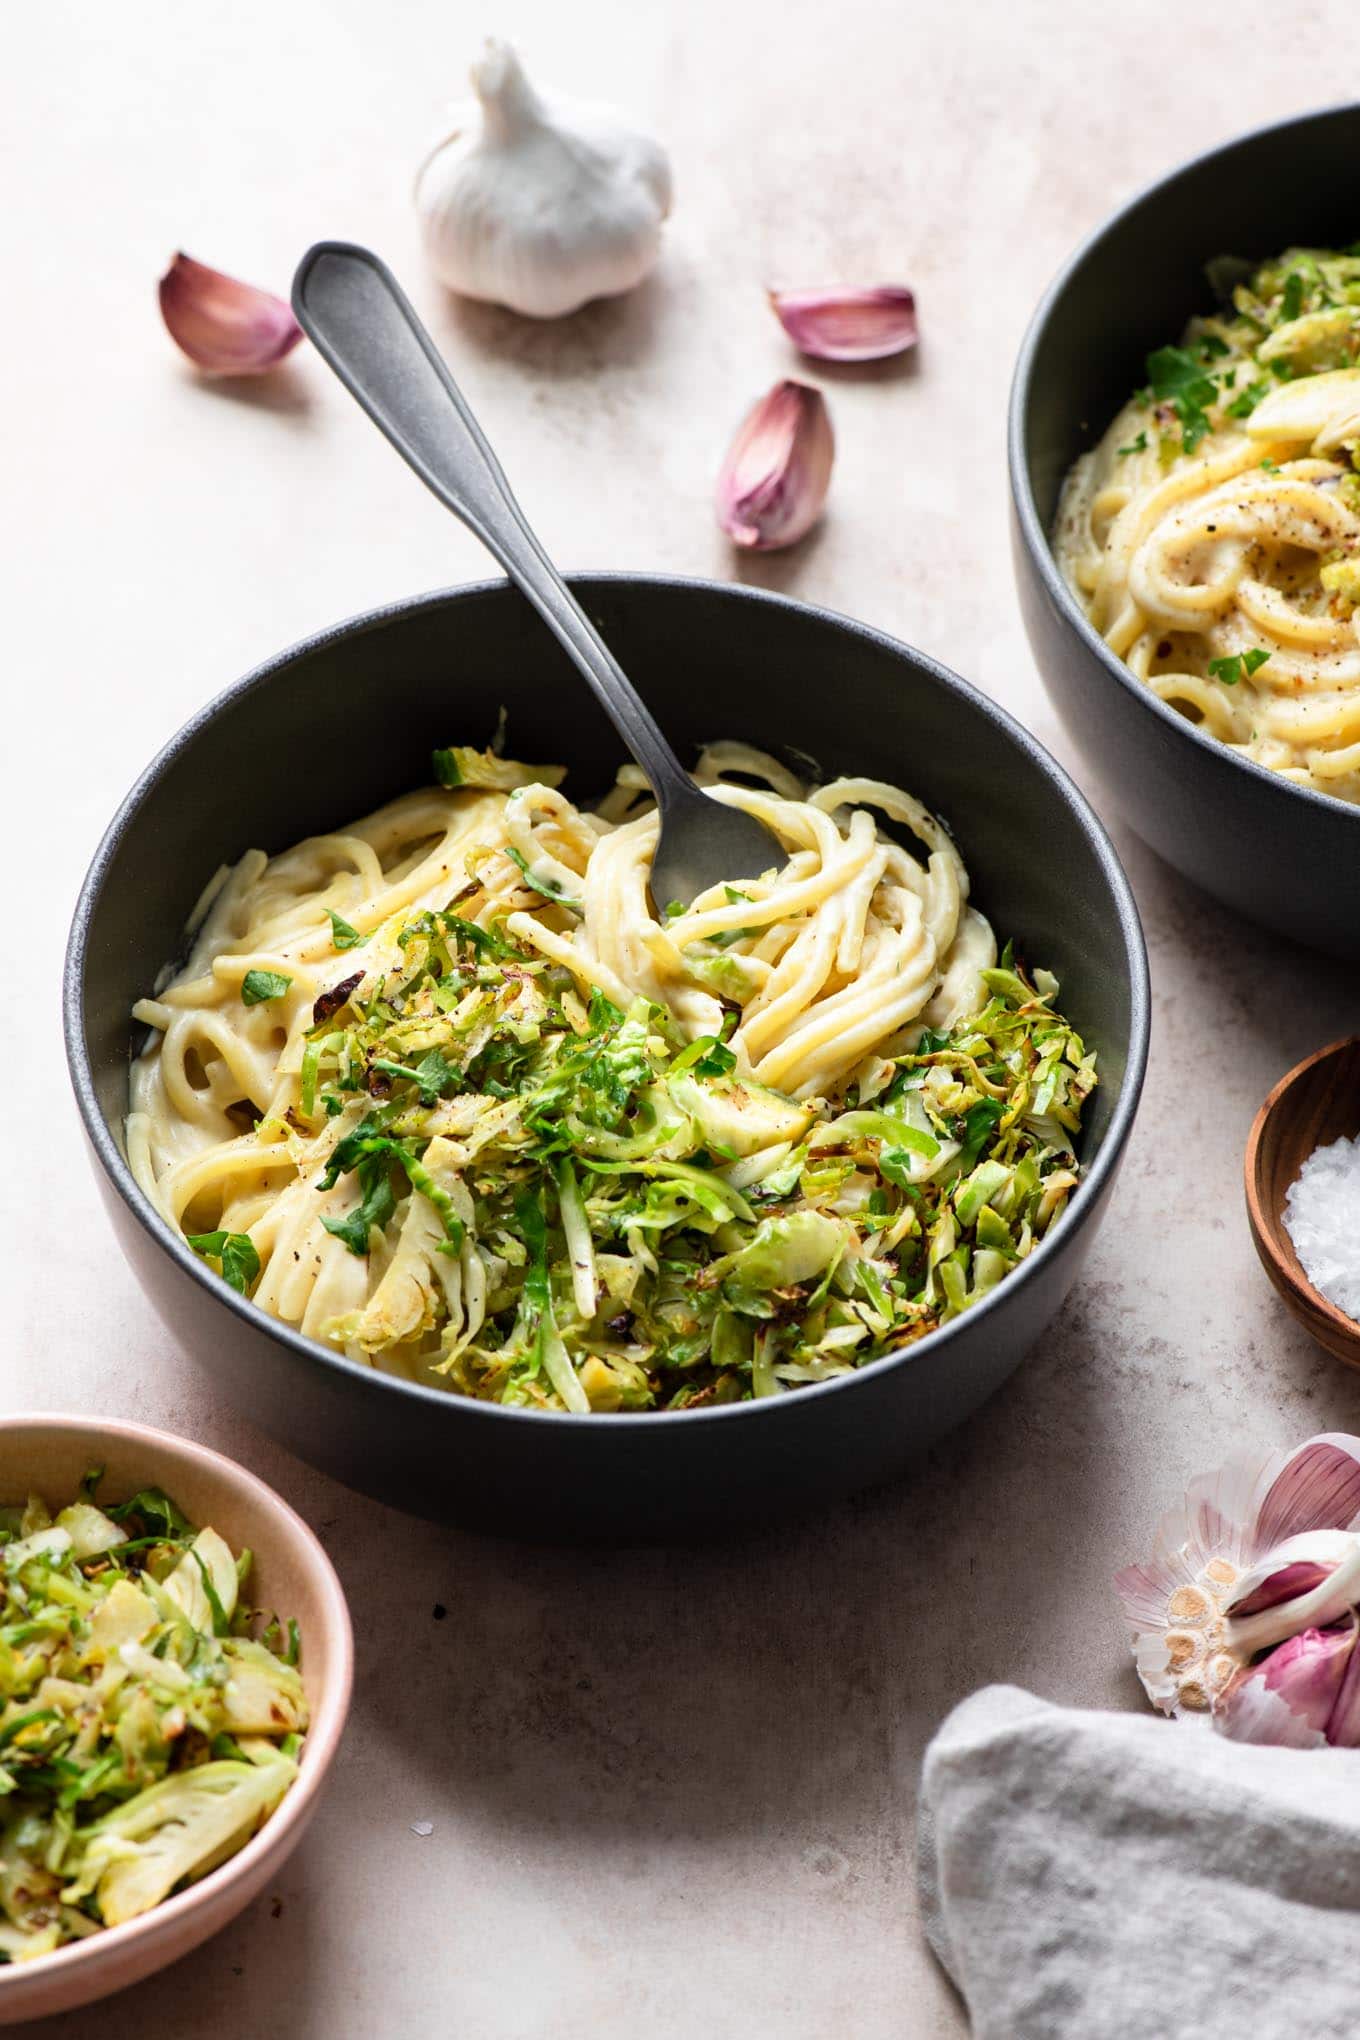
{"x": 1293, "y": 1567}
{"x": 848, "y": 325}
{"x": 226, "y": 327}
{"x": 1327, "y": 1600}
{"x": 773, "y": 483}
{"x": 538, "y": 203}
{"x": 1249, "y": 1604}
{"x": 1293, "y": 1697}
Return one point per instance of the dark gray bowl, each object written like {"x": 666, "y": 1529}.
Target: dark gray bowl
{"x": 345, "y": 721}
{"x": 1278, "y": 853}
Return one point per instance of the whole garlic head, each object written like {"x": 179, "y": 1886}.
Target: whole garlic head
{"x": 540, "y": 204}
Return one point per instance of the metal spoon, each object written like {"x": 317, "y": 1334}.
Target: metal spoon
{"x": 353, "y": 309}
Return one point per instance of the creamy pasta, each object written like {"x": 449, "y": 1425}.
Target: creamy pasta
{"x": 429, "y": 997}
{"x": 1213, "y": 534}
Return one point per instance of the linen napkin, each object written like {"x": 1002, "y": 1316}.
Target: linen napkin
{"x": 1111, "y": 1875}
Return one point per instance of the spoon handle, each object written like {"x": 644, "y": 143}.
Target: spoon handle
{"x": 361, "y": 321}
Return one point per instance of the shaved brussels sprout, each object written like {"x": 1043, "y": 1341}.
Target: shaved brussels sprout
{"x": 460, "y": 765}
{"x": 145, "y": 1732}
{"x": 138, "y": 1853}
{"x": 583, "y": 1209}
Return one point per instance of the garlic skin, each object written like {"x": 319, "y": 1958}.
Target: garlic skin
{"x": 1248, "y": 1607}
{"x": 539, "y": 204}
{"x": 226, "y": 327}
{"x": 773, "y": 483}
{"x": 848, "y": 324}
{"x": 1304, "y": 1695}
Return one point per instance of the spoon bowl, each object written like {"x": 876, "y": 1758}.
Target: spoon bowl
{"x": 1318, "y": 1102}
{"x": 704, "y": 842}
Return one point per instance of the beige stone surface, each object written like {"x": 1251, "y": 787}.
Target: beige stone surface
{"x": 671, "y": 1792}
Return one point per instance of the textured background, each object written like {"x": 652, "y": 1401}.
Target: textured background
{"x": 671, "y": 1791}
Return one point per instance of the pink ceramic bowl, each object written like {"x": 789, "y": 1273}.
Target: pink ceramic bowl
{"x": 50, "y": 1455}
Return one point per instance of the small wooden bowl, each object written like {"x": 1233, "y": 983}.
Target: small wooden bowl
{"x": 1318, "y": 1102}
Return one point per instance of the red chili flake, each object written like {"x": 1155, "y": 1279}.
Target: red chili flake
{"x": 329, "y": 1003}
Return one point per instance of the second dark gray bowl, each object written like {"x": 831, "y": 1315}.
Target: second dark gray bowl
{"x": 1279, "y": 853}
{"x": 331, "y": 729}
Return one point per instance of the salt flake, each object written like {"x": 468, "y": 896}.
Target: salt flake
{"x": 1322, "y": 1216}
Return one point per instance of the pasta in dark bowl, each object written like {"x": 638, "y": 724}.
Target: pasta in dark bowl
{"x": 508, "y": 1193}
{"x": 1184, "y": 437}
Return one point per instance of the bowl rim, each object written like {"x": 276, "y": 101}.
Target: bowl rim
{"x": 323, "y": 1734}
{"x": 1284, "y": 1265}
{"x": 1031, "y": 526}
{"x": 621, "y": 1423}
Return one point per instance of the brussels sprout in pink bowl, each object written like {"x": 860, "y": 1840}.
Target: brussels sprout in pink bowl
{"x": 174, "y": 1682}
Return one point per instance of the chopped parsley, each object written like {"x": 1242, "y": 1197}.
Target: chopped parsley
{"x": 258, "y": 986}
{"x": 433, "y": 1073}
{"x": 234, "y": 1252}
{"x": 1230, "y": 670}
{"x": 342, "y": 935}
{"x": 377, "y": 1202}
{"x": 1246, "y": 400}
{"x": 1177, "y": 377}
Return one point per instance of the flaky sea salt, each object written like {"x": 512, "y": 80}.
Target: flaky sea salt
{"x": 1322, "y": 1215}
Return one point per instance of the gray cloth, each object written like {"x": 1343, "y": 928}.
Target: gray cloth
{"x": 1112, "y": 1875}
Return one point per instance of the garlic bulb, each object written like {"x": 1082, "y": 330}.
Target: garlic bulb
{"x": 1249, "y": 1606}
{"x": 539, "y": 204}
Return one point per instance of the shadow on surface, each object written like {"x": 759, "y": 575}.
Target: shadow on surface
{"x": 780, "y": 572}
{"x": 609, "y": 333}
{"x": 765, "y": 1685}
{"x": 1277, "y": 992}
{"x": 255, "y": 1973}
{"x": 282, "y": 390}
{"x": 896, "y": 368}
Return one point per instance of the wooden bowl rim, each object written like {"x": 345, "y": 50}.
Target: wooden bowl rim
{"x": 1266, "y": 1233}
